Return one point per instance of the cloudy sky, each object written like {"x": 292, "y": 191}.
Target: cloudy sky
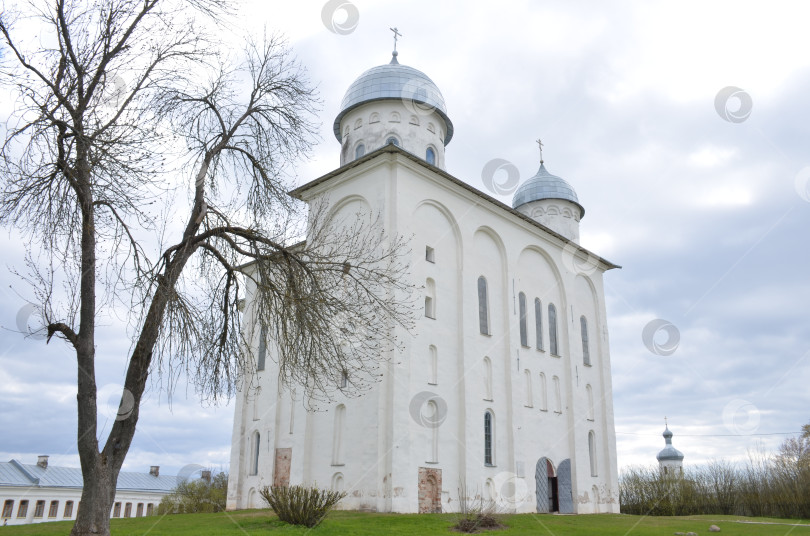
{"x": 700, "y": 192}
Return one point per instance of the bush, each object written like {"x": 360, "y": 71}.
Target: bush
{"x": 196, "y": 496}
{"x": 301, "y": 505}
{"x": 765, "y": 486}
{"x": 476, "y": 514}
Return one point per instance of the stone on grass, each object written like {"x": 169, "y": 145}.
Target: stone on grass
{"x": 714, "y": 528}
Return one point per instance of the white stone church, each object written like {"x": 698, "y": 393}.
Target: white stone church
{"x": 503, "y": 390}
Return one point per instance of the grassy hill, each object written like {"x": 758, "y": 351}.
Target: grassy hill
{"x": 263, "y": 522}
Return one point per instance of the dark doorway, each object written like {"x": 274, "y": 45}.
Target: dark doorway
{"x": 553, "y": 494}
{"x": 546, "y": 487}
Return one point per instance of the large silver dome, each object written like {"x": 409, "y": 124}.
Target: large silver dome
{"x": 394, "y": 81}
{"x": 544, "y": 185}
{"x": 669, "y": 452}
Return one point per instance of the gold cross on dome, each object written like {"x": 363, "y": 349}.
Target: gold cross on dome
{"x": 396, "y": 35}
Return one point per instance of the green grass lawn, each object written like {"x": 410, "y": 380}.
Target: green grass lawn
{"x": 263, "y": 522}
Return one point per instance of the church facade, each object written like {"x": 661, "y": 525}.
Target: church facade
{"x": 503, "y": 389}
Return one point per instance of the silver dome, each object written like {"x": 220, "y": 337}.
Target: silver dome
{"x": 544, "y": 185}
{"x": 393, "y": 81}
{"x": 669, "y": 452}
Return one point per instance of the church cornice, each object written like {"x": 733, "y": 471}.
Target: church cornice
{"x": 298, "y": 193}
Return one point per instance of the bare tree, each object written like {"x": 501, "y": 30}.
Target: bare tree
{"x": 130, "y": 105}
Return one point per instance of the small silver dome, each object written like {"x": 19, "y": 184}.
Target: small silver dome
{"x": 544, "y": 185}
{"x": 393, "y": 81}
{"x": 669, "y": 452}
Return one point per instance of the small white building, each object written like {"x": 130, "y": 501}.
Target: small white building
{"x": 670, "y": 459}
{"x": 35, "y": 493}
{"x": 503, "y": 388}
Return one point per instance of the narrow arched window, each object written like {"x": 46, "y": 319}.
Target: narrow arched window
{"x": 538, "y": 323}
{"x": 433, "y": 366}
{"x": 528, "y": 388}
{"x": 487, "y": 379}
{"x": 430, "y": 156}
{"x": 552, "y": 330}
{"x": 489, "y": 428}
{"x": 543, "y": 393}
{"x": 483, "y": 306}
{"x": 524, "y": 327}
{"x": 592, "y": 452}
{"x": 557, "y": 395}
{"x": 254, "y": 463}
{"x": 392, "y": 141}
{"x": 433, "y": 410}
{"x": 359, "y": 151}
{"x": 583, "y": 328}
{"x": 337, "y": 482}
{"x": 262, "y": 357}
{"x": 589, "y": 390}
{"x": 337, "y": 435}
{"x": 430, "y": 298}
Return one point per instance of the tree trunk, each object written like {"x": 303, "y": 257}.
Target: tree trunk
{"x": 98, "y": 493}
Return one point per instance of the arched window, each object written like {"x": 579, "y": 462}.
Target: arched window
{"x": 375, "y": 118}
{"x": 392, "y": 141}
{"x": 430, "y": 156}
{"x": 483, "y": 306}
{"x": 254, "y": 462}
{"x": 337, "y": 482}
{"x": 337, "y": 435}
{"x": 262, "y": 357}
{"x": 552, "y": 329}
{"x": 528, "y": 388}
{"x": 592, "y": 452}
{"x": 489, "y": 432}
{"x": 583, "y": 328}
{"x": 524, "y": 328}
{"x": 557, "y": 395}
{"x": 433, "y": 410}
{"x": 538, "y": 323}
{"x": 543, "y": 393}
{"x": 589, "y": 390}
{"x": 487, "y": 379}
{"x": 430, "y": 298}
{"x": 433, "y": 369}
{"x": 359, "y": 151}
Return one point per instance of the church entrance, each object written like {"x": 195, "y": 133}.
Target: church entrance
{"x": 430, "y": 491}
{"x": 546, "y": 487}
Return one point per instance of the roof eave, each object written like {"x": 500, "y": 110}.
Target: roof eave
{"x": 387, "y": 149}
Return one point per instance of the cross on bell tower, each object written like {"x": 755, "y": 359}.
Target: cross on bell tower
{"x": 540, "y": 145}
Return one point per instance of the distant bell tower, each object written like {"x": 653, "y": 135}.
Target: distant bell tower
{"x": 670, "y": 459}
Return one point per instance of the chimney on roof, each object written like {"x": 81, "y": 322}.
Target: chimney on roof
{"x": 42, "y": 461}
{"x": 206, "y": 475}
{"x": 154, "y": 470}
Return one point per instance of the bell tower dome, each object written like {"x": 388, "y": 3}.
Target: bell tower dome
{"x": 670, "y": 459}
{"x": 397, "y": 104}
